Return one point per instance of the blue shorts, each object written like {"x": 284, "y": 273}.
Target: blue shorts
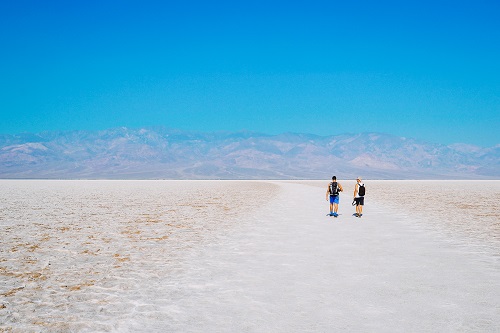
{"x": 334, "y": 199}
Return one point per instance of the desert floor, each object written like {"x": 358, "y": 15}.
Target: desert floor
{"x": 248, "y": 256}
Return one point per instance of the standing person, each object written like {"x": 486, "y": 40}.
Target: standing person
{"x": 359, "y": 197}
{"x": 332, "y": 193}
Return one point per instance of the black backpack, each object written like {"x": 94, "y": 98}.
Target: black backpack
{"x": 334, "y": 188}
{"x": 361, "y": 190}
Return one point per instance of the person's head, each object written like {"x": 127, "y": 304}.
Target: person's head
{"x": 358, "y": 179}
{"x": 334, "y": 178}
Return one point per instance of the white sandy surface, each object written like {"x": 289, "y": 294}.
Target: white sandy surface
{"x": 282, "y": 267}
{"x": 295, "y": 270}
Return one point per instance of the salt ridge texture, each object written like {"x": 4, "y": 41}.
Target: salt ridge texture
{"x": 83, "y": 255}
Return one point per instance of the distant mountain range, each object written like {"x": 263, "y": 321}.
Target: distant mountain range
{"x": 160, "y": 153}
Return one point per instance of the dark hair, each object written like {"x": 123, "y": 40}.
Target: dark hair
{"x": 334, "y": 178}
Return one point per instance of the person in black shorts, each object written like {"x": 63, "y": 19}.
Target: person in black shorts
{"x": 359, "y": 197}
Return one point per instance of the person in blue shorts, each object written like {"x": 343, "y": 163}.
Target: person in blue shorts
{"x": 332, "y": 195}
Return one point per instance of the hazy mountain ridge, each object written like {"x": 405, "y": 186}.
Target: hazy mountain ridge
{"x": 164, "y": 153}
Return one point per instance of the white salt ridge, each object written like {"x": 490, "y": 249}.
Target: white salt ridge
{"x": 284, "y": 267}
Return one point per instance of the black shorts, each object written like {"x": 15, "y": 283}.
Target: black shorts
{"x": 360, "y": 201}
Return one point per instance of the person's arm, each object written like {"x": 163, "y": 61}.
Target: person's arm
{"x": 340, "y": 188}
{"x": 355, "y": 190}
{"x": 327, "y": 192}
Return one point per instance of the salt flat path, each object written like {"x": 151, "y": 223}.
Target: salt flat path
{"x": 290, "y": 268}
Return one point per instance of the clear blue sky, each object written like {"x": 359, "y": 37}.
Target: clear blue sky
{"x": 422, "y": 69}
